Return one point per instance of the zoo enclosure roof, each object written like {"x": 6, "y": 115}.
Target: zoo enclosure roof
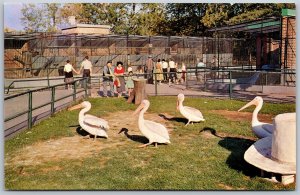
{"x": 267, "y": 25}
{"x": 39, "y": 35}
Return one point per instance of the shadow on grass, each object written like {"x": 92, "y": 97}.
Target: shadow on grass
{"x": 238, "y": 147}
{"x": 84, "y": 133}
{"x": 81, "y": 131}
{"x": 176, "y": 119}
{"x": 136, "y": 138}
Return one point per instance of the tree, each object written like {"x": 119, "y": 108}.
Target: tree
{"x": 242, "y": 12}
{"x": 185, "y": 18}
{"x": 40, "y": 17}
{"x": 150, "y": 19}
{"x": 71, "y": 9}
{"x": 51, "y": 14}
{"x": 9, "y": 30}
{"x": 215, "y": 15}
{"x": 33, "y": 18}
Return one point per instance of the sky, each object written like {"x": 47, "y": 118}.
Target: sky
{"x": 12, "y": 16}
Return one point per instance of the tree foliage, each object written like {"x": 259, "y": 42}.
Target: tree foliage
{"x": 40, "y": 17}
{"x": 32, "y": 18}
{"x": 242, "y": 12}
{"x": 183, "y": 19}
{"x": 215, "y": 15}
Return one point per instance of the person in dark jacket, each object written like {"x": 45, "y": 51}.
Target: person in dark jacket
{"x": 108, "y": 79}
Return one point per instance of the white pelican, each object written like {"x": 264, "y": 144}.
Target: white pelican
{"x": 260, "y": 129}
{"x": 154, "y": 132}
{"x": 92, "y": 124}
{"x": 192, "y": 114}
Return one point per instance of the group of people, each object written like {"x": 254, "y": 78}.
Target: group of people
{"x": 112, "y": 77}
{"x": 155, "y": 71}
{"x": 163, "y": 71}
{"x": 86, "y": 66}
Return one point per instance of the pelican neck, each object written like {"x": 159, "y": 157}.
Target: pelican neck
{"x": 255, "y": 113}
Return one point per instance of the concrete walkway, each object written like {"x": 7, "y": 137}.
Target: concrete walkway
{"x": 19, "y": 104}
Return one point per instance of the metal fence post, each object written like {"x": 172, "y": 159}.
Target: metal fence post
{"x": 74, "y": 91}
{"x": 230, "y": 85}
{"x": 29, "y": 110}
{"x": 204, "y": 79}
{"x": 186, "y": 79}
{"x": 85, "y": 87}
{"x": 262, "y": 83}
{"x": 52, "y": 99}
{"x": 48, "y": 82}
{"x": 155, "y": 81}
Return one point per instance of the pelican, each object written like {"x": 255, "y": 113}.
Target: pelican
{"x": 192, "y": 114}
{"x": 154, "y": 132}
{"x": 260, "y": 129}
{"x": 92, "y": 124}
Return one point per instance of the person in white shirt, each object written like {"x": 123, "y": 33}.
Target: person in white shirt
{"x": 172, "y": 66}
{"x": 200, "y": 75}
{"x": 129, "y": 69}
{"x": 68, "y": 70}
{"x": 87, "y": 66}
{"x": 165, "y": 67}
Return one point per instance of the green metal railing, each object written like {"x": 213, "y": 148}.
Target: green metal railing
{"x": 225, "y": 76}
{"x": 51, "y": 102}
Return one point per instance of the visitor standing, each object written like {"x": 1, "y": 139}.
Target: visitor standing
{"x": 108, "y": 79}
{"x": 129, "y": 69}
{"x": 200, "y": 72}
{"x": 68, "y": 71}
{"x": 119, "y": 80}
{"x": 172, "y": 66}
{"x": 158, "y": 72}
{"x": 165, "y": 67}
{"x": 129, "y": 83}
{"x": 139, "y": 71}
{"x": 149, "y": 70}
{"x": 87, "y": 66}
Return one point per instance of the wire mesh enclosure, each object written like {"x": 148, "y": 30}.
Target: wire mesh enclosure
{"x": 40, "y": 55}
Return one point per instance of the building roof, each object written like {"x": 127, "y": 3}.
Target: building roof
{"x": 258, "y": 26}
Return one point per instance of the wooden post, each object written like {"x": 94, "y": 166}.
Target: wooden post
{"x": 139, "y": 91}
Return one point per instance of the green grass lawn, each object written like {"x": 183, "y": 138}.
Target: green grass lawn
{"x": 196, "y": 159}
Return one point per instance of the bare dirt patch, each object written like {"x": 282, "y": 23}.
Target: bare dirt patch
{"x": 78, "y": 146}
{"x": 243, "y": 116}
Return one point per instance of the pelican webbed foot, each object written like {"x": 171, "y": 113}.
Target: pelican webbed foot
{"x": 86, "y": 137}
{"x": 187, "y": 123}
{"x": 144, "y": 145}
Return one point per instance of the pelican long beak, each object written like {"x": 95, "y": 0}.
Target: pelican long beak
{"x": 177, "y": 105}
{"x": 78, "y": 106}
{"x": 253, "y": 102}
{"x": 141, "y": 106}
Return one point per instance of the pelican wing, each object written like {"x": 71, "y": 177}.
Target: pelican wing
{"x": 157, "y": 128}
{"x": 268, "y": 127}
{"x": 193, "y": 111}
{"x": 95, "y": 121}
